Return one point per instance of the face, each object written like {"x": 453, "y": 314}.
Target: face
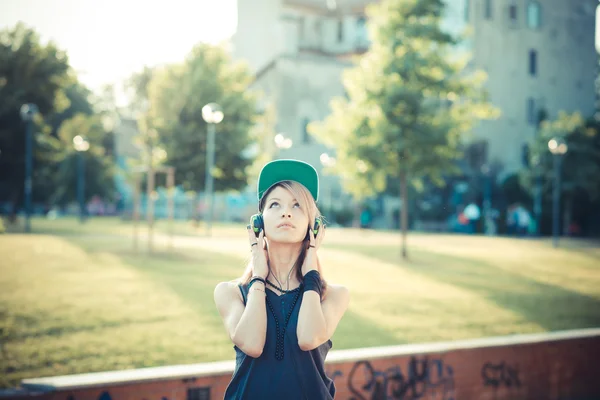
{"x": 284, "y": 218}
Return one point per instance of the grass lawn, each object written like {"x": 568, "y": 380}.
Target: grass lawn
{"x": 77, "y": 299}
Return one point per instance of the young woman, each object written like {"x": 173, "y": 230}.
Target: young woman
{"x": 281, "y": 313}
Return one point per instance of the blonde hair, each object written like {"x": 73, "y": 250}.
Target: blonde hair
{"x": 307, "y": 203}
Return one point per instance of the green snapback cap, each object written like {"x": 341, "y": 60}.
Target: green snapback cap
{"x": 288, "y": 170}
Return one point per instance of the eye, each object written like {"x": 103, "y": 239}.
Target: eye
{"x": 297, "y": 204}
{"x": 273, "y": 203}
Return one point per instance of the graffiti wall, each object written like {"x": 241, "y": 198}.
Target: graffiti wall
{"x": 555, "y": 367}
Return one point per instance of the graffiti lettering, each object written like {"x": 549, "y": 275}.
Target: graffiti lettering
{"x": 421, "y": 377}
{"x": 497, "y": 375}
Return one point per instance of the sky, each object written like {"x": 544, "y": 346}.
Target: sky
{"x": 108, "y": 40}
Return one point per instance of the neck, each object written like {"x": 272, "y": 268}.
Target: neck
{"x": 282, "y": 257}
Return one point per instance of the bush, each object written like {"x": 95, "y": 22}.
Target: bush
{"x": 2, "y": 230}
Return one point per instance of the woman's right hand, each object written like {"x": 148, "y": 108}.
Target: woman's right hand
{"x": 259, "y": 253}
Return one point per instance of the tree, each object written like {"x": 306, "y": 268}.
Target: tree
{"x": 30, "y": 72}
{"x": 79, "y": 101}
{"x": 411, "y": 100}
{"x": 580, "y": 166}
{"x": 176, "y": 96}
{"x": 99, "y": 167}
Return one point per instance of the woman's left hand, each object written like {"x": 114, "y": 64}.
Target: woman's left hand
{"x": 310, "y": 261}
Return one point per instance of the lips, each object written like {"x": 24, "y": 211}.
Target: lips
{"x": 285, "y": 224}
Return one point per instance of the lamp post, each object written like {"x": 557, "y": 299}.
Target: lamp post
{"x": 537, "y": 203}
{"x": 487, "y": 199}
{"x": 212, "y": 115}
{"x": 81, "y": 146}
{"x": 28, "y": 112}
{"x": 558, "y": 148}
{"x": 329, "y": 161}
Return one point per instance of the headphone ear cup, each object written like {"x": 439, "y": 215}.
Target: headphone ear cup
{"x": 315, "y": 228}
{"x": 318, "y": 223}
{"x": 256, "y": 223}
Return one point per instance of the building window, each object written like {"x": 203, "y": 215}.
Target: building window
{"x": 361, "y": 27}
{"x": 531, "y": 114}
{"x": 532, "y": 62}
{"x": 305, "y": 135}
{"x": 340, "y": 31}
{"x": 512, "y": 12}
{"x": 318, "y": 27}
{"x": 534, "y": 15}
{"x": 525, "y": 155}
{"x": 488, "y": 9}
{"x": 301, "y": 32}
{"x": 361, "y": 32}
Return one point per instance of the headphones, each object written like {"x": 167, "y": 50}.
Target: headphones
{"x": 257, "y": 224}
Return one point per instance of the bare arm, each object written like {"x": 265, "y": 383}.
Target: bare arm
{"x": 317, "y": 321}
{"x": 246, "y": 326}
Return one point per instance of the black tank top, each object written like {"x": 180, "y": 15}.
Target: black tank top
{"x": 298, "y": 375}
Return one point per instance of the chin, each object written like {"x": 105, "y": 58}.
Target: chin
{"x": 285, "y": 238}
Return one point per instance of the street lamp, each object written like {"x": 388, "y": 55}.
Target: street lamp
{"x": 212, "y": 115}
{"x": 558, "y": 148}
{"x": 282, "y": 142}
{"x": 328, "y": 161}
{"x": 28, "y": 111}
{"x": 81, "y": 146}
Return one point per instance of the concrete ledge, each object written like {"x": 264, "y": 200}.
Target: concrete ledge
{"x": 131, "y": 376}
{"x": 226, "y": 368}
{"x": 372, "y": 353}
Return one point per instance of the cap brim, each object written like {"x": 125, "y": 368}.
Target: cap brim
{"x": 288, "y": 170}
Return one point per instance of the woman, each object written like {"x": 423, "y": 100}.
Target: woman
{"x": 281, "y": 313}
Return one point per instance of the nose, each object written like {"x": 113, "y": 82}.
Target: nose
{"x": 287, "y": 213}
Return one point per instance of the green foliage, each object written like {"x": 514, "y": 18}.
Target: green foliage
{"x": 176, "y": 95}
{"x": 514, "y": 191}
{"x": 30, "y": 72}
{"x": 99, "y": 169}
{"x": 412, "y": 99}
{"x": 581, "y": 163}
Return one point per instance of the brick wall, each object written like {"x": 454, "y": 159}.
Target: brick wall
{"x": 554, "y": 366}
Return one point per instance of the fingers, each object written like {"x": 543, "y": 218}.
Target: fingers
{"x": 311, "y": 237}
{"x": 261, "y": 239}
{"x": 316, "y": 241}
{"x": 251, "y": 235}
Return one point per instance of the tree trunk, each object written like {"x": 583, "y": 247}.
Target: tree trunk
{"x": 356, "y": 215}
{"x": 15, "y": 198}
{"x": 404, "y": 212}
{"x": 197, "y": 202}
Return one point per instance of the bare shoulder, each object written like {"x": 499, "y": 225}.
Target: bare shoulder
{"x": 226, "y": 292}
{"x": 338, "y": 294}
